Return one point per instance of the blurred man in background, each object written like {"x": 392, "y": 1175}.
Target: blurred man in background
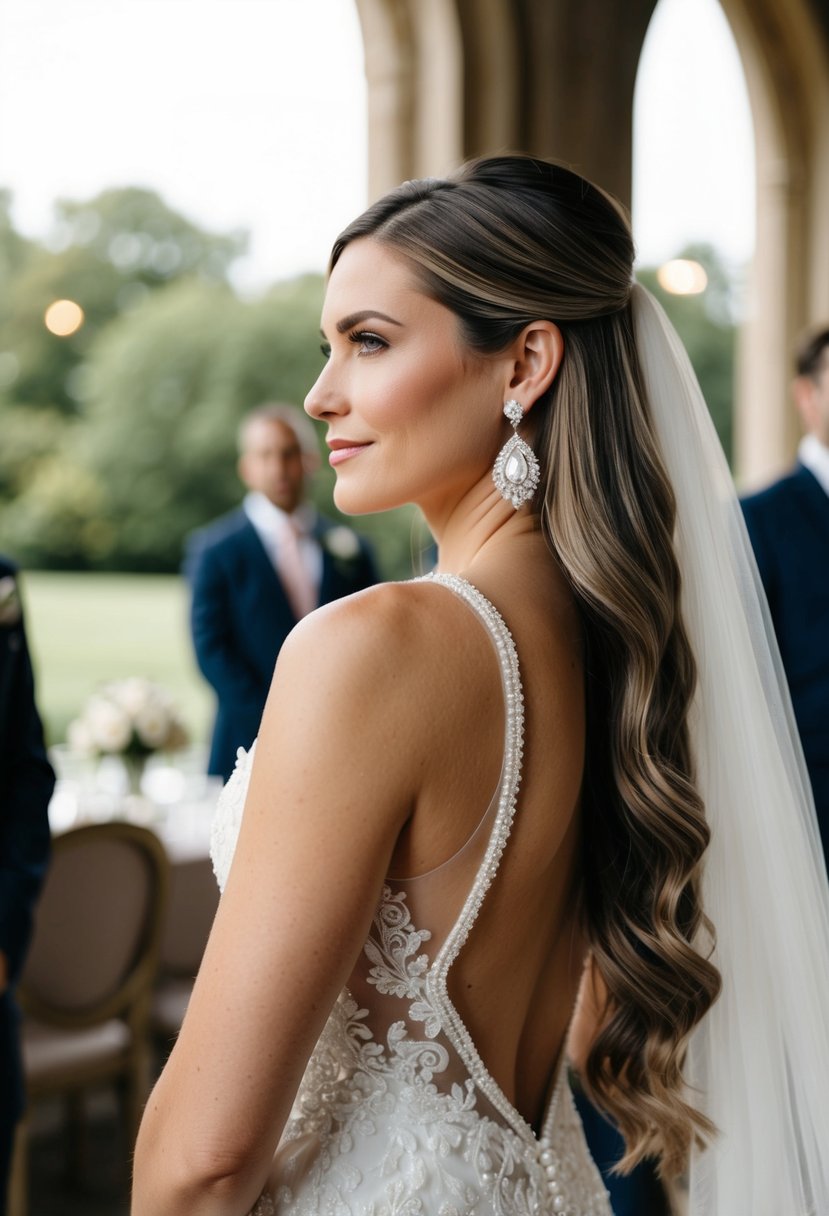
{"x": 26, "y": 784}
{"x": 789, "y": 528}
{"x": 257, "y": 571}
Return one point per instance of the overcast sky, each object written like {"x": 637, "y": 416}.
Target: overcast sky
{"x": 251, "y": 114}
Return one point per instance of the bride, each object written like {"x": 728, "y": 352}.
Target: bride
{"x": 559, "y": 774}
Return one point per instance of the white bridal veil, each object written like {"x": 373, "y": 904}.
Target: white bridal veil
{"x": 759, "y": 1062}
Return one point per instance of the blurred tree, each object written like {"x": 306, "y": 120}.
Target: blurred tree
{"x": 166, "y": 388}
{"x": 107, "y": 255}
{"x": 28, "y": 437}
{"x": 706, "y": 324}
{"x": 152, "y": 434}
{"x": 135, "y": 231}
{"x": 15, "y": 250}
{"x": 57, "y": 519}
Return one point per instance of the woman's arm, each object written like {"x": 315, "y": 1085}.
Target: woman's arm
{"x": 332, "y": 785}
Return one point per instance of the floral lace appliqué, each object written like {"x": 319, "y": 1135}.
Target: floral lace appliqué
{"x": 396, "y": 1114}
{"x": 378, "y": 1129}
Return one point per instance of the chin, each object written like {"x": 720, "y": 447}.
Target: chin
{"x": 363, "y": 500}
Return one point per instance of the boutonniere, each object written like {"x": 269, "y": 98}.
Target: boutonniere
{"x": 10, "y": 611}
{"x": 341, "y": 543}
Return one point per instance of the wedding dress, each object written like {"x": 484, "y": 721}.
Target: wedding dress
{"x": 396, "y": 1114}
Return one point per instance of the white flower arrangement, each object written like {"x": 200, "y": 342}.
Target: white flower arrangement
{"x": 132, "y": 717}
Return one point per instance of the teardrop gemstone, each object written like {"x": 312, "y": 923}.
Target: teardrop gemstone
{"x": 516, "y": 469}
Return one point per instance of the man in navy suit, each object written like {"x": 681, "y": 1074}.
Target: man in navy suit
{"x": 789, "y": 528}
{"x": 26, "y": 784}
{"x": 255, "y": 572}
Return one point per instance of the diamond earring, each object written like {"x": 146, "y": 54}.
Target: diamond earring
{"x": 516, "y": 472}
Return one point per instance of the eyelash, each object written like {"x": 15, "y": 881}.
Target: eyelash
{"x": 359, "y": 337}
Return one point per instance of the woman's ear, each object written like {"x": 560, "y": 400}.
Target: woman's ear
{"x": 536, "y": 357}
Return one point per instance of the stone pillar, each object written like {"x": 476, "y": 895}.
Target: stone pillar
{"x": 783, "y": 51}
{"x": 580, "y": 59}
{"x": 413, "y": 58}
{"x": 450, "y": 79}
{"x": 388, "y": 40}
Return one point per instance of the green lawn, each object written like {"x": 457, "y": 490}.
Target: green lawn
{"x": 87, "y": 628}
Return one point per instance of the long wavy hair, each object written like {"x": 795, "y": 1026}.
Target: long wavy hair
{"x": 506, "y": 241}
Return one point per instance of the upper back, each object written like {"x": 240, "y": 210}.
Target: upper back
{"x": 501, "y": 873}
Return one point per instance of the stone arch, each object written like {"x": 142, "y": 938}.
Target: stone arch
{"x": 450, "y": 79}
{"x": 413, "y": 64}
{"x": 455, "y": 78}
{"x": 784, "y": 53}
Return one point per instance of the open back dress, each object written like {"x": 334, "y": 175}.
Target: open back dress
{"x": 397, "y": 1114}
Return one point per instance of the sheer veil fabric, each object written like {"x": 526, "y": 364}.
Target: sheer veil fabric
{"x": 758, "y": 1064}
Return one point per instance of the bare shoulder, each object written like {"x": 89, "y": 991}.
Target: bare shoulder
{"x": 378, "y": 634}
{"x": 367, "y": 665}
{"x": 351, "y": 684}
{"x": 365, "y": 647}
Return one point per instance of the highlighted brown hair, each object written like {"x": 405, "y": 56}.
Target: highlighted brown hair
{"x": 506, "y": 241}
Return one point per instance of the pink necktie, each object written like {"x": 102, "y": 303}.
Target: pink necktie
{"x": 293, "y": 573}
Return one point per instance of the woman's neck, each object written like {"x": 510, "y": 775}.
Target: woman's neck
{"x": 478, "y": 527}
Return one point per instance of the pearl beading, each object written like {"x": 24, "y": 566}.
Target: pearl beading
{"x": 560, "y": 1178}
{"x": 559, "y": 1169}
{"x": 451, "y": 1020}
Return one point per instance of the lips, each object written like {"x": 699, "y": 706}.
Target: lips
{"x": 344, "y": 449}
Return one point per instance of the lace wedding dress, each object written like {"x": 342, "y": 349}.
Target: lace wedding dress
{"x": 397, "y": 1114}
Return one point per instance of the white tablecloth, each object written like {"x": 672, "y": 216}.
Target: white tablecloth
{"x": 177, "y": 801}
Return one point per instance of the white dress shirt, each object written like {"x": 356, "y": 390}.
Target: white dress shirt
{"x": 814, "y": 456}
{"x": 270, "y": 523}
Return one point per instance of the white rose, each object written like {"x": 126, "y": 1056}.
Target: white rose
{"x": 342, "y": 542}
{"x": 152, "y": 725}
{"x": 9, "y": 601}
{"x": 133, "y": 695}
{"x": 79, "y": 737}
{"x": 109, "y": 726}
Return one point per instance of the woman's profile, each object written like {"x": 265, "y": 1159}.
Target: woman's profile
{"x": 556, "y": 775}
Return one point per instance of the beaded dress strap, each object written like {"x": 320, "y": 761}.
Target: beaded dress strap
{"x": 436, "y": 978}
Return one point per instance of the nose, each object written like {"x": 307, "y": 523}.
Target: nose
{"x": 323, "y": 399}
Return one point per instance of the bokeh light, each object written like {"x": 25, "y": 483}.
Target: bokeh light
{"x": 63, "y": 317}
{"x": 682, "y": 277}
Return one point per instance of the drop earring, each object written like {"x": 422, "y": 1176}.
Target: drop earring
{"x": 516, "y": 472}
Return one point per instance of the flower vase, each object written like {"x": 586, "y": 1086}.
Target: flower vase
{"x": 134, "y": 770}
{"x": 137, "y": 807}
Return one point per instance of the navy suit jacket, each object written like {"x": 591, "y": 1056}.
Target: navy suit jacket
{"x": 789, "y": 528}
{"x": 26, "y": 784}
{"x": 240, "y": 616}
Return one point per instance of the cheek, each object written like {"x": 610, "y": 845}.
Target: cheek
{"x": 427, "y": 391}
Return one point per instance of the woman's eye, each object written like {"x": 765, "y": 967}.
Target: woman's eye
{"x": 325, "y": 347}
{"x": 369, "y": 343}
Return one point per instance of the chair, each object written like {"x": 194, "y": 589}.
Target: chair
{"x": 194, "y": 897}
{"x": 87, "y": 984}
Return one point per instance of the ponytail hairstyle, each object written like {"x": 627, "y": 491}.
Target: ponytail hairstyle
{"x": 506, "y": 241}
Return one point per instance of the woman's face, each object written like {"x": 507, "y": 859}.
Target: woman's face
{"x": 412, "y": 414}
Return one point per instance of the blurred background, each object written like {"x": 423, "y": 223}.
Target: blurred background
{"x": 174, "y": 173}
{"x": 172, "y": 176}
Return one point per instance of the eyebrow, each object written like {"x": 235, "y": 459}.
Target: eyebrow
{"x": 357, "y": 318}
